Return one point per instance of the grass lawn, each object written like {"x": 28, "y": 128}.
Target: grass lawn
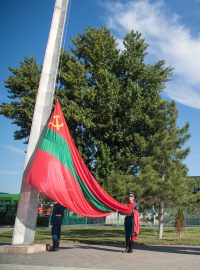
{"x": 112, "y": 235}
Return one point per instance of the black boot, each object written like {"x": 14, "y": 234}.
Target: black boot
{"x": 58, "y": 243}
{"x": 55, "y": 245}
{"x": 130, "y": 247}
{"x": 127, "y": 245}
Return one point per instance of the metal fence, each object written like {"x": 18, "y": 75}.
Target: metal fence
{"x": 71, "y": 218}
{"x": 7, "y": 217}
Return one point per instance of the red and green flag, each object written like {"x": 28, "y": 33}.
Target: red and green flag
{"x": 59, "y": 172}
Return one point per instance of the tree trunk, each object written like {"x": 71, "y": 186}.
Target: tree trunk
{"x": 161, "y": 217}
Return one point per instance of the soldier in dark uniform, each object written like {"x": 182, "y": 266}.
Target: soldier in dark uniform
{"x": 56, "y": 222}
{"x": 131, "y": 224}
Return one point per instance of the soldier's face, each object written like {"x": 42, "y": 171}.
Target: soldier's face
{"x": 131, "y": 199}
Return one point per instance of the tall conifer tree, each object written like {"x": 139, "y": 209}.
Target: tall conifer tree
{"x": 109, "y": 98}
{"x": 163, "y": 174}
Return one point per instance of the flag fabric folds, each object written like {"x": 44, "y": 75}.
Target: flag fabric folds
{"x": 59, "y": 172}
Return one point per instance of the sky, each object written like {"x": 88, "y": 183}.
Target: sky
{"x": 170, "y": 27}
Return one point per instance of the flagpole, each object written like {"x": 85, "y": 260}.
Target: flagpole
{"x": 25, "y": 222}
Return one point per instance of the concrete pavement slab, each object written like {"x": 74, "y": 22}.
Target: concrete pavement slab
{"x": 36, "y": 267}
{"x": 87, "y": 256}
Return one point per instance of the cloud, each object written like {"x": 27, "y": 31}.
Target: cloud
{"x": 9, "y": 172}
{"x": 184, "y": 94}
{"x": 12, "y": 148}
{"x": 168, "y": 38}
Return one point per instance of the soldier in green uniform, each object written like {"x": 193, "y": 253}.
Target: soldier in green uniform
{"x": 131, "y": 224}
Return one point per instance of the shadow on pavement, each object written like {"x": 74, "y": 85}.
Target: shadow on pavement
{"x": 100, "y": 248}
{"x": 60, "y": 248}
{"x": 169, "y": 249}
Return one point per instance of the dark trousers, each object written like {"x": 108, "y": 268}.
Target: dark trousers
{"x": 128, "y": 233}
{"x": 56, "y": 230}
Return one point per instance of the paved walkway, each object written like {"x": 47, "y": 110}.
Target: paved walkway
{"x": 83, "y": 256}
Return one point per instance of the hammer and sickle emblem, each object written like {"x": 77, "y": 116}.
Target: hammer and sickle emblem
{"x": 56, "y": 124}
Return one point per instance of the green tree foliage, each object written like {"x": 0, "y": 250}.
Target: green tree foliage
{"x": 163, "y": 178}
{"x": 109, "y": 98}
{"x": 22, "y": 87}
{"x": 194, "y": 198}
